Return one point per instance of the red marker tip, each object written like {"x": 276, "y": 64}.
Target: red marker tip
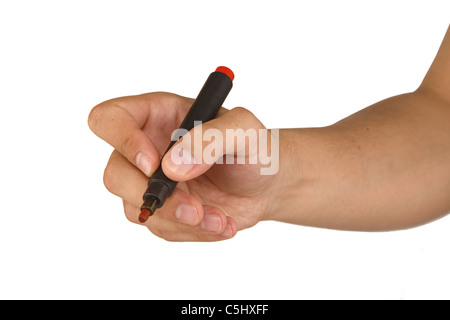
{"x": 144, "y": 215}
{"x": 226, "y": 71}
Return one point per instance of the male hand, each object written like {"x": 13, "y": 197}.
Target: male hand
{"x": 212, "y": 201}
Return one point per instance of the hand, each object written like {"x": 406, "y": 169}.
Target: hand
{"x": 382, "y": 168}
{"x": 212, "y": 202}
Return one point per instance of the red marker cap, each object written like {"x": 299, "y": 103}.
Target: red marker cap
{"x": 227, "y": 71}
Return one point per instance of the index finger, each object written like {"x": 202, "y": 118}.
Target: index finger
{"x": 120, "y": 121}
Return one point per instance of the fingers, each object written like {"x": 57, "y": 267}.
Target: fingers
{"x": 139, "y": 128}
{"x": 124, "y": 180}
{"x": 182, "y": 218}
{"x": 121, "y": 123}
{"x": 184, "y": 161}
{"x": 116, "y": 126}
{"x": 172, "y": 230}
{"x": 127, "y": 182}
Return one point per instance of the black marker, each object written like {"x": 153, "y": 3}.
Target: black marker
{"x": 204, "y": 108}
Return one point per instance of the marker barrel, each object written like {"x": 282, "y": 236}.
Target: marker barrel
{"x": 205, "y": 108}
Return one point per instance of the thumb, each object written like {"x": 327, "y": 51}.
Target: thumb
{"x": 230, "y": 138}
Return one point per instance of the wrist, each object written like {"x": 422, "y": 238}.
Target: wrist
{"x": 319, "y": 169}
{"x": 302, "y": 155}
{"x": 367, "y": 171}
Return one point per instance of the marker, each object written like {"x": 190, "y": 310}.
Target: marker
{"x": 204, "y": 108}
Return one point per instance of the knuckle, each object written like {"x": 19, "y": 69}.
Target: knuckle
{"x": 130, "y": 212}
{"x": 244, "y": 117}
{"x": 166, "y": 235}
{"x": 94, "y": 117}
{"x": 110, "y": 178}
{"x": 159, "y": 232}
{"x": 128, "y": 147}
{"x": 241, "y": 112}
{"x": 155, "y": 231}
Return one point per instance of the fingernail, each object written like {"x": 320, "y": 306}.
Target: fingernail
{"x": 187, "y": 214}
{"x": 144, "y": 164}
{"x": 179, "y": 162}
{"x": 211, "y": 222}
{"x": 228, "y": 232}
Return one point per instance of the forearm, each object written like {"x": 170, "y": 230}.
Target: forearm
{"x": 385, "y": 167}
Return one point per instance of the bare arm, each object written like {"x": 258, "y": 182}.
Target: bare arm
{"x": 385, "y": 167}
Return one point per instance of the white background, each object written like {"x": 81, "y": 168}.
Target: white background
{"x": 297, "y": 64}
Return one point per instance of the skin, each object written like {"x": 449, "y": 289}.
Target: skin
{"x": 383, "y": 168}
